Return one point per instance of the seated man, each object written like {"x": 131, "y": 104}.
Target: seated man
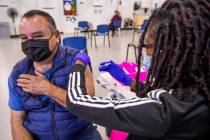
{"x": 41, "y": 117}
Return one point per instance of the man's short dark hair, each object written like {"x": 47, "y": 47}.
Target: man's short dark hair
{"x": 47, "y": 16}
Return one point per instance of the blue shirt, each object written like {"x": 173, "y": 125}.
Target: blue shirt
{"x": 14, "y": 101}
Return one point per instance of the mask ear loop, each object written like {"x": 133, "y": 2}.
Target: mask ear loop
{"x": 51, "y": 36}
{"x": 57, "y": 34}
{"x": 55, "y": 45}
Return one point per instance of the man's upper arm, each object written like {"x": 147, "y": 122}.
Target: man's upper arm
{"x": 14, "y": 99}
{"x": 17, "y": 115}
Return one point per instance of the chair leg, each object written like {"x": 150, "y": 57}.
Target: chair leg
{"x": 104, "y": 40}
{"x": 86, "y": 50}
{"x": 136, "y": 53}
{"x": 74, "y": 32}
{"x": 133, "y": 35}
{"x": 127, "y": 52}
{"x": 91, "y": 39}
{"x": 108, "y": 41}
{"x": 88, "y": 34}
{"x": 95, "y": 41}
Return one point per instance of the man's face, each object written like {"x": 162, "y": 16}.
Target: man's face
{"x": 149, "y": 42}
{"x": 37, "y": 27}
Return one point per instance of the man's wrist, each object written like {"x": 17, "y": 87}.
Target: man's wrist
{"x": 49, "y": 90}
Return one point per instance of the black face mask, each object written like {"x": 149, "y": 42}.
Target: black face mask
{"x": 37, "y": 49}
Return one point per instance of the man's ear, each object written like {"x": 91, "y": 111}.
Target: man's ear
{"x": 58, "y": 36}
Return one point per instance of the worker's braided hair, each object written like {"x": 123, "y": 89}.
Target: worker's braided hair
{"x": 181, "y": 58}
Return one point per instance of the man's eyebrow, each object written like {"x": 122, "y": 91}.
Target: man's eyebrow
{"x": 35, "y": 33}
{"x": 38, "y": 32}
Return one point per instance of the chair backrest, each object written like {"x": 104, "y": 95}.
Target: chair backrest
{"x": 117, "y": 23}
{"x": 78, "y": 42}
{"x": 102, "y": 29}
{"x": 144, "y": 24}
{"x": 83, "y": 24}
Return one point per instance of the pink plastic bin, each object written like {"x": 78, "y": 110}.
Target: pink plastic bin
{"x": 131, "y": 68}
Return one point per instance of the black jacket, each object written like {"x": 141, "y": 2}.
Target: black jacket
{"x": 159, "y": 116}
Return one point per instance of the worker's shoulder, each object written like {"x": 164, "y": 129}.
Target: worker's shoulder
{"x": 170, "y": 98}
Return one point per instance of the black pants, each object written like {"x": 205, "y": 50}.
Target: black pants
{"x": 112, "y": 28}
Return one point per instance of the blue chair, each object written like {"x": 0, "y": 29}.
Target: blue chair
{"x": 82, "y": 26}
{"x": 117, "y": 25}
{"x": 79, "y": 42}
{"x": 134, "y": 45}
{"x": 141, "y": 29}
{"x": 102, "y": 30}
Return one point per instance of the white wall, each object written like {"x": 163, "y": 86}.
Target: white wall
{"x": 3, "y": 14}
{"x": 126, "y": 8}
{"x": 86, "y": 9}
{"x": 96, "y": 15}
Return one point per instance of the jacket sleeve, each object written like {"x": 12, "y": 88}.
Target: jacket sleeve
{"x": 142, "y": 116}
{"x": 14, "y": 100}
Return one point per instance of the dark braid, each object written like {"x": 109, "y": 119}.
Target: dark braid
{"x": 181, "y": 58}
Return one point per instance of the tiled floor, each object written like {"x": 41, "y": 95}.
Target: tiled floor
{"x": 10, "y": 53}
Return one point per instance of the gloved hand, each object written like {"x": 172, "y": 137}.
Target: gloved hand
{"x": 82, "y": 57}
{"x": 116, "y": 71}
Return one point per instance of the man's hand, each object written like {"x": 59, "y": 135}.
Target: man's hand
{"x": 37, "y": 85}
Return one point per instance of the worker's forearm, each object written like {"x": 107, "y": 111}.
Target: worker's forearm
{"x": 19, "y": 132}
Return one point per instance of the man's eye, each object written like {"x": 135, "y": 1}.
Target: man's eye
{"x": 37, "y": 36}
{"x": 23, "y": 38}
